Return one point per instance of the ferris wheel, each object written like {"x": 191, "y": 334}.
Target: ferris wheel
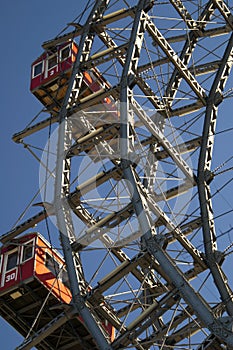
{"x": 136, "y": 176}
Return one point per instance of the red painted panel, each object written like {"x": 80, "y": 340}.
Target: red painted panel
{"x": 65, "y": 65}
{"x": 27, "y": 269}
{"x": 52, "y": 72}
{"x": 47, "y": 76}
{"x": 15, "y": 271}
{"x": 10, "y": 278}
{"x": 36, "y": 81}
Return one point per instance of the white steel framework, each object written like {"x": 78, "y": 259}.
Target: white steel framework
{"x": 134, "y": 180}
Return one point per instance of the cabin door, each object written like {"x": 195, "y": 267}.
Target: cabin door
{"x": 51, "y": 67}
{"x": 10, "y": 268}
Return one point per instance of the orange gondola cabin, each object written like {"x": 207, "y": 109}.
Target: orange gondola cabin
{"x": 35, "y": 291}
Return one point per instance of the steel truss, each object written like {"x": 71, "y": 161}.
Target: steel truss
{"x": 133, "y": 189}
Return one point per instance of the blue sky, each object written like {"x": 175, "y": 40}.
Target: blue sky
{"x": 25, "y": 25}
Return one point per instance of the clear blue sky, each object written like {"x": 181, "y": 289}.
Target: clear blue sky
{"x": 24, "y": 25}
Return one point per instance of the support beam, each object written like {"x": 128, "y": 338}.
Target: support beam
{"x": 163, "y": 141}
{"x": 204, "y": 172}
{"x": 178, "y": 63}
{"x": 184, "y": 14}
{"x": 62, "y": 183}
{"x": 225, "y": 11}
{"x": 153, "y": 98}
{"x": 48, "y": 329}
{"x": 150, "y": 239}
{"x": 188, "y": 48}
{"x": 184, "y": 332}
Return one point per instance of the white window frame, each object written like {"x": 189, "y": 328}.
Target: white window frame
{"x": 1, "y": 264}
{"x": 48, "y": 59}
{"x": 33, "y": 250}
{"x": 33, "y": 69}
{"x": 65, "y": 47}
{"x": 6, "y": 259}
{"x": 47, "y": 69}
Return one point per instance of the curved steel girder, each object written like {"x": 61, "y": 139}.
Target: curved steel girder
{"x": 140, "y": 203}
{"x": 204, "y": 168}
{"x": 140, "y": 189}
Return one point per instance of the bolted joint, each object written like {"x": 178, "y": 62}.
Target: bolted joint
{"x": 131, "y": 80}
{"x": 151, "y": 244}
{"x": 79, "y": 303}
{"x": 218, "y": 98}
{"x": 215, "y": 99}
{"x": 230, "y": 18}
{"x": 208, "y": 176}
{"x": 219, "y": 257}
{"x": 223, "y": 327}
{"x": 76, "y": 246}
{"x": 160, "y": 240}
{"x": 227, "y": 322}
{"x": 125, "y": 163}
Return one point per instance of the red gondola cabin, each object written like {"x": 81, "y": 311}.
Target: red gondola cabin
{"x": 34, "y": 282}
{"x": 52, "y": 64}
{"x": 50, "y": 74}
{"x": 30, "y": 258}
